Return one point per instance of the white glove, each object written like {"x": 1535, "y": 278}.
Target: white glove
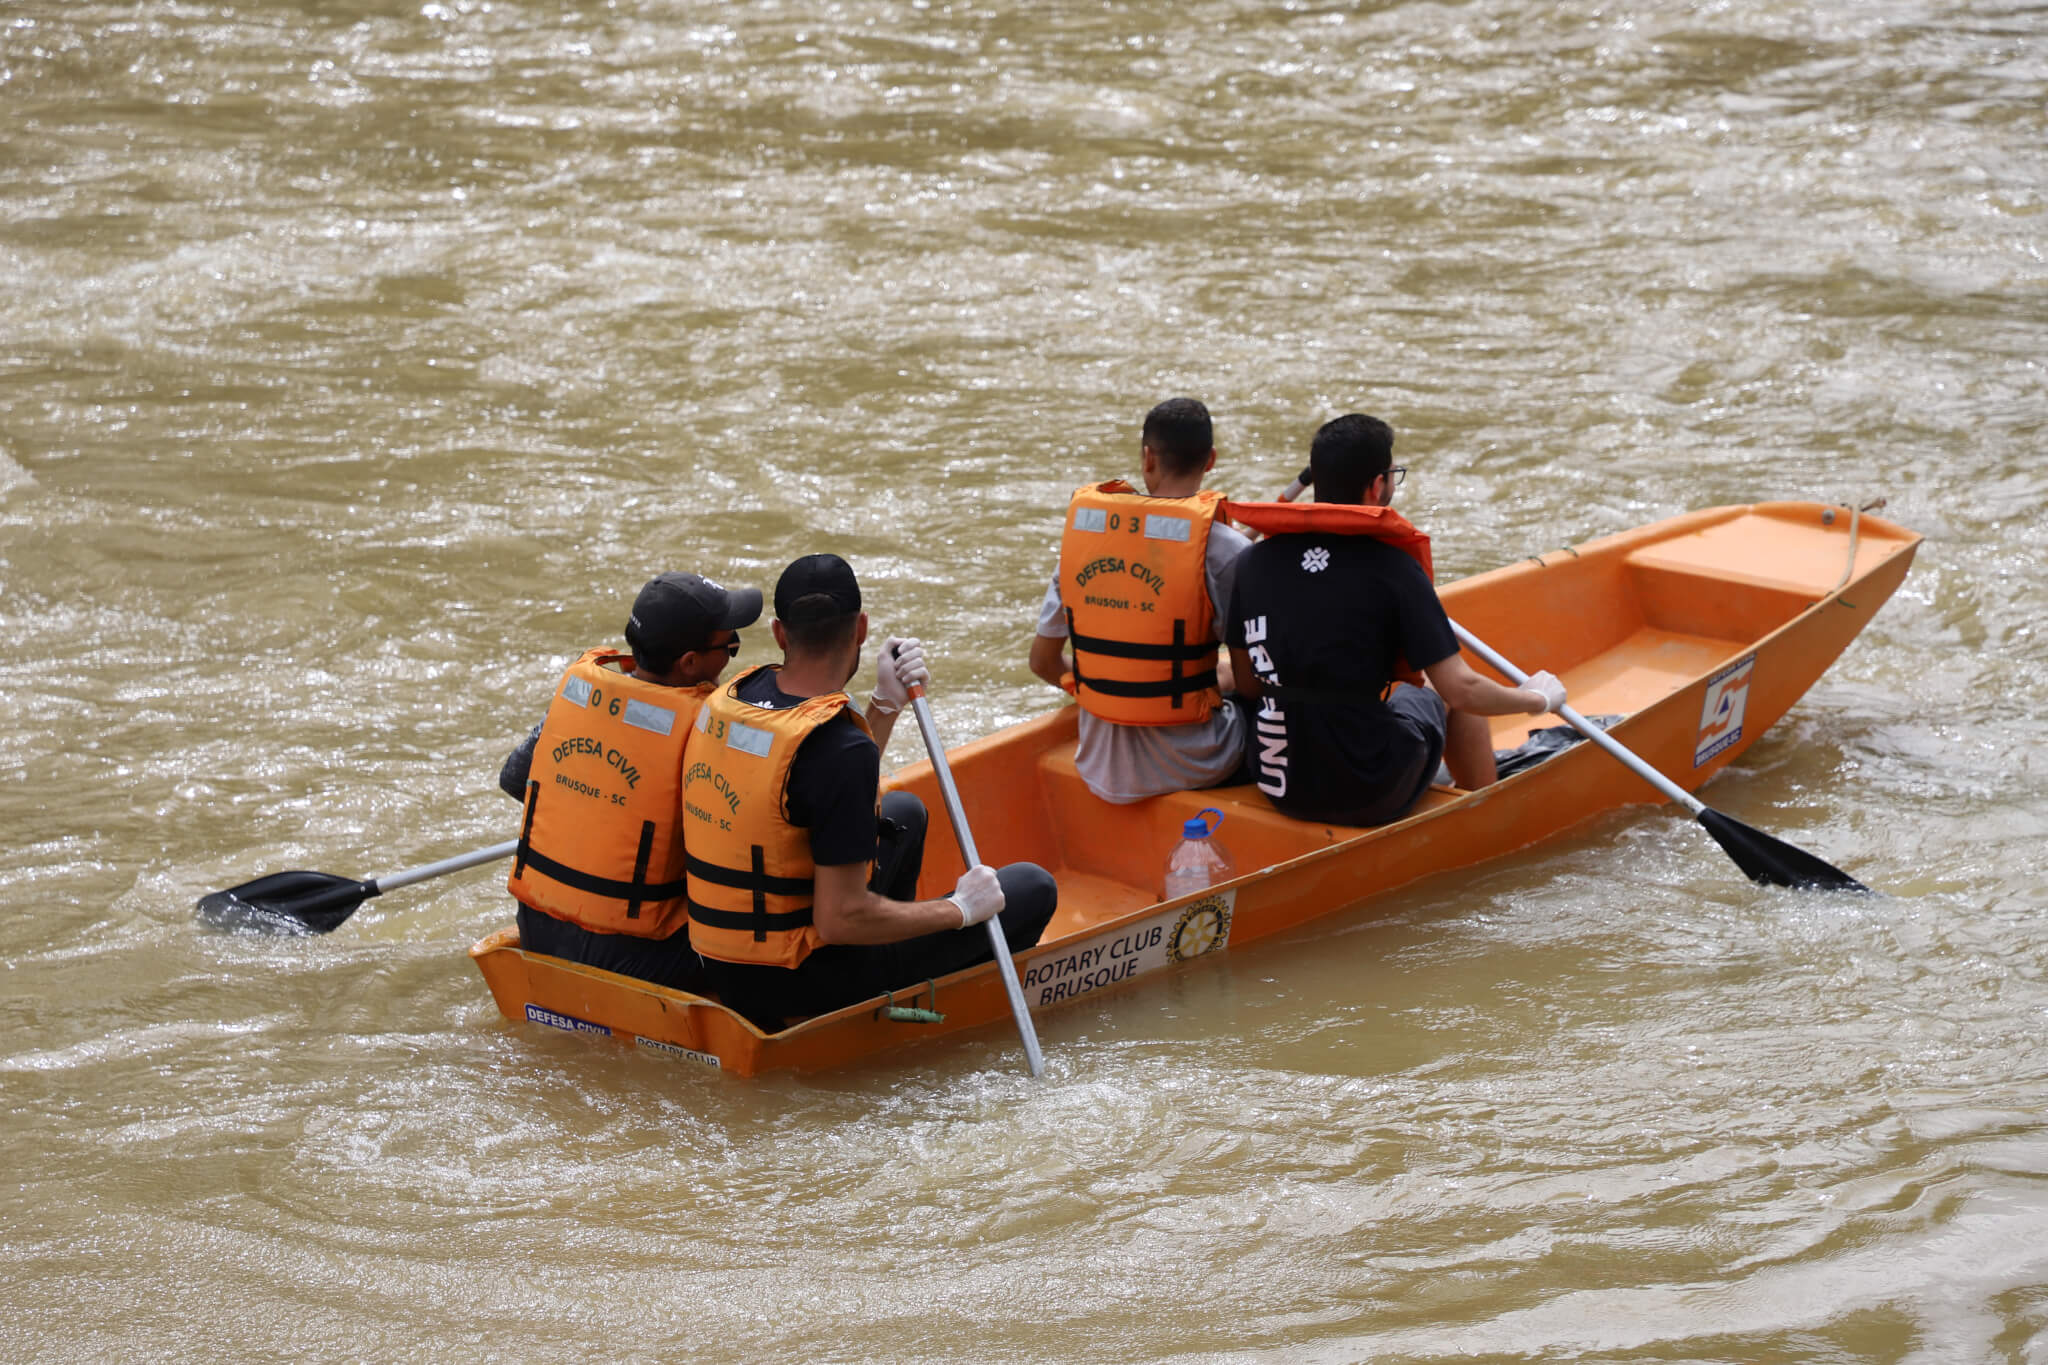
{"x": 899, "y": 665}
{"x": 979, "y": 895}
{"x": 1547, "y": 686}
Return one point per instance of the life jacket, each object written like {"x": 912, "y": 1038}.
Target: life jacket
{"x": 1340, "y": 519}
{"x": 1336, "y": 519}
{"x": 750, "y": 876}
{"x": 601, "y": 843}
{"x": 1134, "y": 581}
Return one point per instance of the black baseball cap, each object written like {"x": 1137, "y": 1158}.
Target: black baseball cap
{"x": 678, "y": 612}
{"x": 816, "y": 588}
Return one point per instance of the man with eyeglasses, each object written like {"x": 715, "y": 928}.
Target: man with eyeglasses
{"x": 1333, "y": 615}
{"x": 599, "y": 874}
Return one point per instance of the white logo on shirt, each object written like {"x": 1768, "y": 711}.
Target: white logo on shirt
{"x": 1315, "y": 560}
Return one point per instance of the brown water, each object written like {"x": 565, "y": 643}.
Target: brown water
{"x": 362, "y": 358}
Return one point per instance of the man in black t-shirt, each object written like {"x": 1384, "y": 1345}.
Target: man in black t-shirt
{"x": 1319, "y": 624}
{"x": 876, "y": 938}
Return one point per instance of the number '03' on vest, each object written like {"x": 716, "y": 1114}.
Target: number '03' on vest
{"x": 601, "y": 842}
{"x": 1134, "y": 582}
{"x": 751, "y": 877}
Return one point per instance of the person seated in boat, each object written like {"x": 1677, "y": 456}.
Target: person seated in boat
{"x": 1140, "y": 592}
{"x": 598, "y": 872}
{"x": 1333, "y": 606}
{"x": 799, "y": 904}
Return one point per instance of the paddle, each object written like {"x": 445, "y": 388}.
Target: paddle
{"x": 937, "y": 749}
{"x": 317, "y": 902}
{"x": 1765, "y": 860}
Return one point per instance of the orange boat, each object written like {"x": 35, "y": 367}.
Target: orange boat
{"x": 1701, "y": 631}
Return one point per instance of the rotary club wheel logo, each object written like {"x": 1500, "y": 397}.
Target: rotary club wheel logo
{"x": 1202, "y": 928}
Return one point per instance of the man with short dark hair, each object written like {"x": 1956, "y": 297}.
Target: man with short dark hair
{"x": 598, "y": 874}
{"x": 1140, "y": 593}
{"x": 1333, "y": 607}
{"x": 798, "y": 903}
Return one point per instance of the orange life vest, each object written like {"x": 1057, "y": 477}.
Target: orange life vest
{"x": 751, "y": 878}
{"x": 1337, "y": 519}
{"x": 1134, "y": 581}
{"x": 1342, "y": 519}
{"x": 601, "y": 844}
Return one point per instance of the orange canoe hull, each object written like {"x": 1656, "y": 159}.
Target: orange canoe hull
{"x": 1702, "y": 631}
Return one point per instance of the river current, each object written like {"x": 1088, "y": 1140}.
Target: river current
{"x": 363, "y": 356}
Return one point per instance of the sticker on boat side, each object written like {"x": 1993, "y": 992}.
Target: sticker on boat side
{"x": 1184, "y": 932}
{"x": 1721, "y": 716}
{"x": 568, "y": 1023}
{"x": 671, "y": 1050}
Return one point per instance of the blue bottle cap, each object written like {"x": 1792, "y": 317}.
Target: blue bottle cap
{"x": 1197, "y": 828}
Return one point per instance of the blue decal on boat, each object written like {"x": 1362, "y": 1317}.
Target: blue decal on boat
{"x": 568, "y": 1023}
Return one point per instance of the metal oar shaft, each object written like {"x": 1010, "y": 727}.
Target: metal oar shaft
{"x": 445, "y": 866}
{"x": 949, "y": 792}
{"x": 1763, "y": 858}
{"x": 958, "y": 815}
{"x": 1586, "y": 727}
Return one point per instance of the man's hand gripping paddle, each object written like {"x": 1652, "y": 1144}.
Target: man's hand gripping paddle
{"x": 1026, "y": 1033}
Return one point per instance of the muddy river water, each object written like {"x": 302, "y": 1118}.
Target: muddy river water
{"x": 361, "y": 357}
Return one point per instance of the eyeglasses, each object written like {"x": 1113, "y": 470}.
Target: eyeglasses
{"x": 731, "y": 647}
{"x": 1395, "y": 474}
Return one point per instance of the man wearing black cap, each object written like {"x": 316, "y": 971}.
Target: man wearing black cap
{"x": 798, "y": 904}
{"x": 599, "y": 870}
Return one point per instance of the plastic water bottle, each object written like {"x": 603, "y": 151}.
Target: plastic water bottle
{"x": 1197, "y": 861}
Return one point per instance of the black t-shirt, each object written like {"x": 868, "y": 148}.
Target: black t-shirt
{"x": 832, "y": 783}
{"x": 1332, "y": 614}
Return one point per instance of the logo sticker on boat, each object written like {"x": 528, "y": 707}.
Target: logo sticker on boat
{"x": 568, "y": 1023}
{"x": 671, "y": 1050}
{"x": 1721, "y": 716}
{"x": 1186, "y": 931}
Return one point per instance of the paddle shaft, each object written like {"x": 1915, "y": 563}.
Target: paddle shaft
{"x": 1586, "y": 727}
{"x": 428, "y": 871}
{"x": 958, "y": 815}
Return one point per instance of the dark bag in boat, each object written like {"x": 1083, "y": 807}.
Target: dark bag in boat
{"x": 1542, "y": 744}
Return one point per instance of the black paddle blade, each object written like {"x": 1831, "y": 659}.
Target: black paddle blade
{"x": 1773, "y": 862}
{"x": 286, "y": 903}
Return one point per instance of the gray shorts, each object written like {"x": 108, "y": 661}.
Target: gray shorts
{"x": 1422, "y": 713}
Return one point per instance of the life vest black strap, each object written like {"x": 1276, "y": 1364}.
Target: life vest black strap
{"x": 1175, "y": 688}
{"x": 760, "y": 922}
{"x": 744, "y": 879}
{"x": 1180, "y": 652}
{"x": 633, "y": 892}
{"x": 1124, "y": 649}
{"x": 640, "y": 860}
{"x": 526, "y": 829}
